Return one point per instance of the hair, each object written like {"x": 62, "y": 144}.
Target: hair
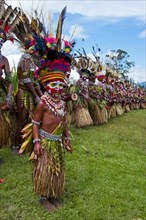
{"x": 84, "y": 71}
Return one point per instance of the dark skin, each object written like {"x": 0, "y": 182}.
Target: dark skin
{"x": 4, "y": 66}
{"x": 23, "y": 66}
{"x": 49, "y": 123}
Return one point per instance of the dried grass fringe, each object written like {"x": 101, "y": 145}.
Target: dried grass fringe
{"x": 119, "y": 109}
{"x": 112, "y": 112}
{"x": 46, "y": 181}
{"x": 100, "y": 116}
{"x": 82, "y": 117}
{"x": 7, "y": 129}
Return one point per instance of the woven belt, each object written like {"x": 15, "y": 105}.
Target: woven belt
{"x": 51, "y": 137}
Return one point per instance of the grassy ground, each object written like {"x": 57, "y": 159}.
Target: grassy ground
{"x": 104, "y": 182}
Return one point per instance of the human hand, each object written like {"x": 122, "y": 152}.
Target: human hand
{"x": 67, "y": 144}
{"x": 38, "y": 149}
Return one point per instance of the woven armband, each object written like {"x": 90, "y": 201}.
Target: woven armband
{"x": 9, "y": 98}
{"x": 67, "y": 138}
{"x": 26, "y": 80}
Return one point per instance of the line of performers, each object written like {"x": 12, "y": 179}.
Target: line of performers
{"x": 91, "y": 100}
{"x": 38, "y": 102}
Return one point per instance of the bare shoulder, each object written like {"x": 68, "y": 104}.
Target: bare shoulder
{"x": 41, "y": 105}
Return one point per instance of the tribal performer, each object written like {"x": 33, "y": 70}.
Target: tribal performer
{"x": 8, "y": 21}
{"x": 28, "y": 95}
{"x": 47, "y": 136}
{"x": 82, "y": 114}
{"x": 6, "y": 98}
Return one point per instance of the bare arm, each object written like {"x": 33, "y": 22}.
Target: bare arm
{"x": 24, "y": 68}
{"x": 38, "y": 113}
{"x": 67, "y": 139}
{"x": 8, "y": 98}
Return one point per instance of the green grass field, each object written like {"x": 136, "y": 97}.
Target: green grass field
{"x": 105, "y": 175}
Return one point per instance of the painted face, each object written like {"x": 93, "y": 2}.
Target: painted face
{"x": 55, "y": 88}
{"x": 84, "y": 77}
{"x": 1, "y": 42}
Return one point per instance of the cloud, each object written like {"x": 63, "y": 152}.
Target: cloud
{"x": 78, "y": 31}
{"x": 142, "y": 34}
{"x": 137, "y": 74}
{"x": 92, "y": 8}
{"x": 10, "y": 48}
{"x": 13, "y": 60}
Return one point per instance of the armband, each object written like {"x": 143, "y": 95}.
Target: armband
{"x": 36, "y": 100}
{"x": 36, "y": 122}
{"x": 25, "y": 73}
{"x": 67, "y": 138}
{"x": 26, "y": 80}
{"x": 36, "y": 140}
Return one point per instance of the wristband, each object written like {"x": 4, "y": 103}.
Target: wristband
{"x": 36, "y": 122}
{"x": 67, "y": 138}
{"x": 36, "y": 140}
{"x": 27, "y": 80}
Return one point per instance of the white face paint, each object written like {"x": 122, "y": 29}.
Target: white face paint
{"x": 1, "y": 42}
{"x": 55, "y": 84}
{"x": 55, "y": 87}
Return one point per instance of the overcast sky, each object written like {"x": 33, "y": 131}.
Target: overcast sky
{"x": 112, "y": 25}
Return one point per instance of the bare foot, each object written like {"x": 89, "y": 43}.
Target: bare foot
{"x": 47, "y": 205}
{"x": 58, "y": 204}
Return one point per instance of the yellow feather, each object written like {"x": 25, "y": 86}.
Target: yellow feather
{"x": 25, "y": 144}
{"x": 28, "y": 126}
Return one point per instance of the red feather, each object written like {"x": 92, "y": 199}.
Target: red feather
{"x": 6, "y": 28}
{"x": 11, "y": 39}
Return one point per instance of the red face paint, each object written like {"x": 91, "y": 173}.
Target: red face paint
{"x": 55, "y": 88}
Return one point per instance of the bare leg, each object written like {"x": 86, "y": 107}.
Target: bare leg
{"x": 22, "y": 120}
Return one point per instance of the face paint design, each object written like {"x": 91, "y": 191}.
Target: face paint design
{"x": 84, "y": 77}
{"x": 1, "y": 42}
{"x": 55, "y": 88}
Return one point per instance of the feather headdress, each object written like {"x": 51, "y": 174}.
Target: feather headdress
{"x": 50, "y": 53}
{"x": 8, "y": 20}
{"x": 84, "y": 62}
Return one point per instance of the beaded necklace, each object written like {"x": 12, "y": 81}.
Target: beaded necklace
{"x": 54, "y": 105}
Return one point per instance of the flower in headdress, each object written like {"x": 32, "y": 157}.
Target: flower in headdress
{"x": 101, "y": 77}
{"x": 67, "y": 46}
{"x": 51, "y": 42}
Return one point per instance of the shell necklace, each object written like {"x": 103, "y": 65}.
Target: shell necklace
{"x": 54, "y": 105}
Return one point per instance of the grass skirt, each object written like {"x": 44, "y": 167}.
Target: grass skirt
{"x": 127, "y": 108}
{"x": 119, "y": 109}
{"x": 100, "y": 115}
{"x": 8, "y": 123}
{"x": 142, "y": 105}
{"x": 48, "y": 173}
{"x": 112, "y": 112}
{"x": 82, "y": 117}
